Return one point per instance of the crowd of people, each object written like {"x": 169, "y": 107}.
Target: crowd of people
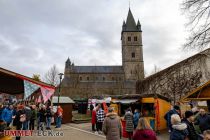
{"x": 136, "y": 127}
{"x": 192, "y": 125}
{"x": 26, "y": 117}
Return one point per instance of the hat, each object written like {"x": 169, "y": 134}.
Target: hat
{"x": 176, "y": 107}
{"x": 110, "y": 109}
{"x": 188, "y": 114}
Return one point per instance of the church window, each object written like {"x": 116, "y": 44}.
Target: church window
{"x": 120, "y": 79}
{"x": 80, "y": 78}
{"x": 129, "y": 38}
{"x": 133, "y": 55}
{"x": 88, "y": 78}
{"x": 96, "y": 78}
{"x": 112, "y": 78}
{"x": 103, "y": 78}
{"x": 135, "y": 38}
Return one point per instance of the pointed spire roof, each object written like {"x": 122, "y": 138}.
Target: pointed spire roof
{"x": 130, "y": 22}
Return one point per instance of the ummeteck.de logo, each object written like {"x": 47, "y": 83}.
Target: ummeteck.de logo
{"x": 39, "y": 133}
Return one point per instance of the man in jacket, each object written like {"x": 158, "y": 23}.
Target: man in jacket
{"x": 188, "y": 120}
{"x": 175, "y": 110}
{"x": 203, "y": 120}
{"x": 7, "y": 114}
{"x": 112, "y": 125}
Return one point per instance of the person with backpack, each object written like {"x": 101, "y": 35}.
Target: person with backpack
{"x": 175, "y": 110}
{"x": 49, "y": 117}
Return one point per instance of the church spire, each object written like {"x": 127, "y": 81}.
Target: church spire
{"x": 130, "y": 23}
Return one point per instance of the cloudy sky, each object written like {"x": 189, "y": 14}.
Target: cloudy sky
{"x": 35, "y": 34}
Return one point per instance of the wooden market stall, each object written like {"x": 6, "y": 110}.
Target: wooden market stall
{"x": 201, "y": 93}
{"x": 66, "y": 104}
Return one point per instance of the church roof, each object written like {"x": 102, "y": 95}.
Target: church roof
{"x": 130, "y": 24}
{"x": 98, "y": 69}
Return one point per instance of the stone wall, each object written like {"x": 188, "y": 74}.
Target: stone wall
{"x": 179, "y": 79}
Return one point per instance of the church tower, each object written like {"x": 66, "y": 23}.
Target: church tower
{"x": 132, "y": 52}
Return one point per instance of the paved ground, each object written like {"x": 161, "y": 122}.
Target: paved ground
{"x": 79, "y": 132}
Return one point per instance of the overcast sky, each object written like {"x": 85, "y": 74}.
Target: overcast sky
{"x": 35, "y": 34}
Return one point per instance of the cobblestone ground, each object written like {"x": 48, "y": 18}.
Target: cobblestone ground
{"x": 79, "y": 132}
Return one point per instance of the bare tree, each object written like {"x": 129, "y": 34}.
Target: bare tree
{"x": 51, "y": 77}
{"x": 198, "y": 12}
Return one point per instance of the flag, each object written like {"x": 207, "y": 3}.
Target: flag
{"x": 39, "y": 100}
{"x": 29, "y": 88}
{"x": 47, "y": 93}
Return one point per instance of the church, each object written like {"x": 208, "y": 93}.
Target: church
{"x": 88, "y": 81}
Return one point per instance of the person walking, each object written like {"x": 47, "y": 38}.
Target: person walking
{"x": 100, "y": 118}
{"x": 33, "y": 117}
{"x": 7, "y": 114}
{"x": 203, "y": 120}
{"x": 188, "y": 120}
{"x": 129, "y": 123}
{"x": 49, "y": 117}
{"x": 59, "y": 115}
{"x": 144, "y": 131}
{"x": 179, "y": 131}
{"x": 136, "y": 117}
{"x": 175, "y": 110}
{"x": 94, "y": 119}
{"x": 112, "y": 127}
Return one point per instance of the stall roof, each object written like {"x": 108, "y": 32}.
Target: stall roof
{"x": 12, "y": 83}
{"x": 62, "y": 99}
{"x": 200, "y": 93}
{"x": 125, "y": 101}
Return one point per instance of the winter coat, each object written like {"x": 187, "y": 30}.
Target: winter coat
{"x": 28, "y": 113}
{"x": 16, "y": 121}
{"x": 33, "y": 114}
{"x": 129, "y": 122}
{"x": 136, "y": 117}
{"x": 93, "y": 121}
{"x": 7, "y": 115}
{"x": 48, "y": 113}
{"x": 179, "y": 132}
{"x": 203, "y": 122}
{"x": 112, "y": 127}
{"x": 191, "y": 130}
{"x": 146, "y": 134}
{"x": 168, "y": 117}
{"x": 42, "y": 115}
{"x": 100, "y": 115}
{"x": 1, "y": 111}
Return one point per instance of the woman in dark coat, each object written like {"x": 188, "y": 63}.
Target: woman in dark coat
{"x": 20, "y": 112}
{"x": 129, "y": 127}
{"x": 179, "y": 131}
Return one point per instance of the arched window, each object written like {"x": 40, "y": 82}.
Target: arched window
{"x": 112, "y": 78}
{"x": 135, "y": 38}
{"x": 129, "y": 38}
{"x": 103, "y": 78}
{"x": 80, "y": 78}
{"x": 88, "y": 78}
{"x": 133, "y": 55}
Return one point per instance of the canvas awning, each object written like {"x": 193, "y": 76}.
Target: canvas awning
{"x": 62, "y": 99}
{"x": 125, "y": 101}
{"x": 200, "y": 93}
{"x": 13, "y": 83}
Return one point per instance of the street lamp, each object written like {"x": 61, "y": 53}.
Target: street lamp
{"x": 59, "y": 91}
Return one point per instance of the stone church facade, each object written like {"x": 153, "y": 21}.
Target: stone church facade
{"x": 87, "y": 81}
